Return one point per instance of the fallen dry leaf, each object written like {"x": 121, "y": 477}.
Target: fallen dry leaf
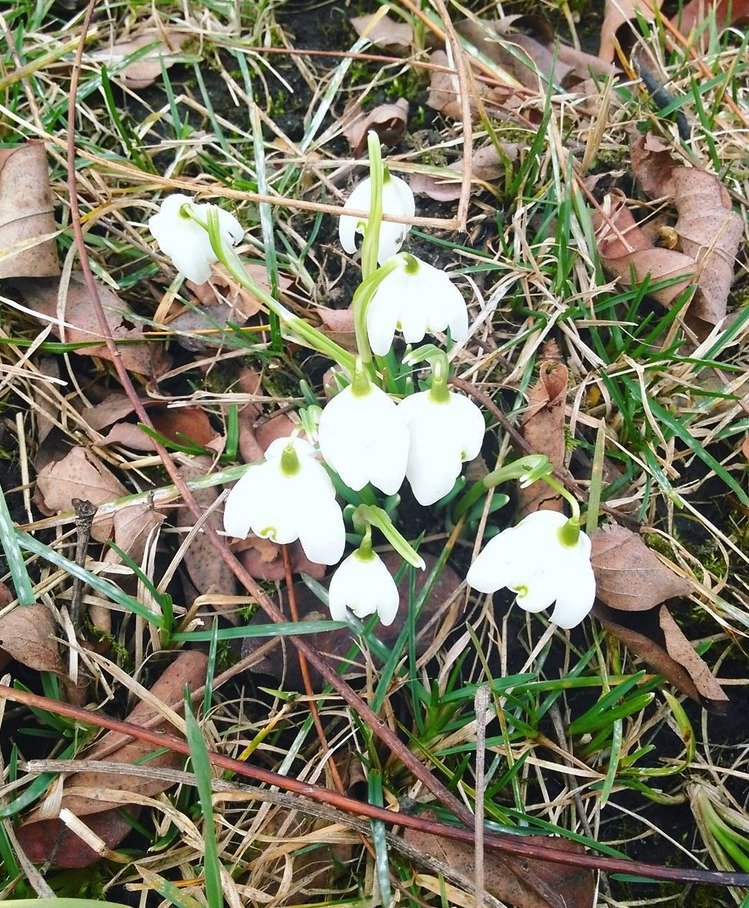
{"x": 745, "y": 447}
{"x": 727, "y": 12}
{"x": 487, "y": 165}
{"x": 707, "y": 228}
{"x": 84, "y": 794}
{"x": 387, "y": 120}
{"x": 80, "y": 323}
{"x": 263, "y": 560}
{"x": 27, "y": 634}
{"x": 80, "y": 474}
{"x": 132, "y": 527}
{"x": 26, "y": 213}
{"x": 629, "y": 575}
{"x": 282, "y": 660}
{"x": 338, "y": 325}
{"x": 445, "y": 99}
{"x": 543, "y": 429}
{"x": 207, "y": 573}
{"x": 222, "y": 289}
{"x": 146, "y": 69}
{"x": 657, "y": 640}
{"x": 626, "y": 252}
{"x": 619, "y": 19}
{"x": 521, "y": 882}
{"x": 386, "y": 33}
{"x": 255, "y": 439}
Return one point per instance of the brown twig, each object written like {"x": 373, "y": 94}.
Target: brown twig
{"x": 352, "y": 699}
{"x": 506, "y": 844}
{"x": 84, "y": 518}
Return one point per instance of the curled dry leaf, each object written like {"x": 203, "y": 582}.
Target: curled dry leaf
{"x": 387, "y": 120}
{"x": 487, "y": 165}
{"x": 146, "y": 69}
{"x": 707, "y": 228}
{"x": 133, "y": 527}
{"x": 520, "y": 881}
{"x": 84, "y": 794}
{"x": 543, "y": 429}
{"x": 27, "y": 634}
{"x": 385, "y": 32}
{"x": 80, "y": 474}
{"x": 221, "y": 288}
{"x": 444, "y": 96}
{"x": 655, "y": 637}
{"x": 26, "y": 213}
{"x": 254, "y": 440}
{"x": 338, "y": 325}
{"x": 81, "y": 325}
{"x": 619, "y": 20}
{"x": 335, "y": 645}
{"x": 629, "y": 575}
{"x": 627, "y": 252}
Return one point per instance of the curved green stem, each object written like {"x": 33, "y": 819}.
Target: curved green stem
{"x": 371, "y": 245}
{"x": 373, "y": 516}
{"x": 302, "y": 331}
{"x": 528, "y": 469}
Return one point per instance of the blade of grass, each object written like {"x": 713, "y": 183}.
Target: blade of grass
{"x": 16, "y": 565}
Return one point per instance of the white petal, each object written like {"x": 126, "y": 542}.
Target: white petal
{"x": 391, "y": 239}
{"x": 230, "y": 228}
{"x": 540, "y": 591}
{"x": 363, "y": 586}
{"x": 322, "y": 532}
{"x": 576, "y": 596}
{"x": 467, "y": 423}
{"x": 431, "y": 470}
{"x": 348, "y": 226}
{"x": 383, "y": 314}
{"x": 490, "y": 571}
{"x": 237, "y": 517}
{"x": 192, "y": 258}
{"x": 397, "y": 198}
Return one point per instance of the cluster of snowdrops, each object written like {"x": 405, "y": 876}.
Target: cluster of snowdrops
{"x": 378, "y": 431}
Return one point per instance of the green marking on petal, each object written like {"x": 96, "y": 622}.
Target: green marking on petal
{"x": 289, "y": 461}
{"x": 268, "y": 533}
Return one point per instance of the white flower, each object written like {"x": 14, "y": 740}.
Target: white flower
{"x": 363, "y": 438}
{"x": 364, "y": 585}
{"x": 289, "y": 496}
{"x": 446, "y": 429}
{"x": 183, "y": 239}
{"x": 415, "y": 298}
{"x": 534, "y": 561}
{"x": 397, "y": 199}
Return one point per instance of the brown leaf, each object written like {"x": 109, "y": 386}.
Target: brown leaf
{"x": 727, "y": 12}
{"x": 625, "y": 250}
{"x": 80, "y": 322}
{"x": 543, "y": 429}
{"x": 26, "y": 212}
{"x": 336, "y": 644}
{"x": 520, "y": 881}
{"x": 619, "y": 21}
{"x": 132, "y": 528}
{"x": 221, "y": 289}
{"x": 396, "y": 36}
{"x": 79, "y": 475}
{"x": 707, "y": 228}
{"x": 28, "y": 634}
{"x": 651, "y": 636}
{"x": 487, "y": 165}
{"x": 146, "y": 69}
{"x": 49, "y": 839}
{"x": 263, "y": 559}
{"x": 629, "y": 575}
{"x": 178, "y": 424}
{"x": 387, "y": 120}
{"x": 338, "y": 325}
{"x": 745, "y": 447}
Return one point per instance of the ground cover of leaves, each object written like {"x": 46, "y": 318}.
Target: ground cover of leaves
{"x": 581, "y": 171}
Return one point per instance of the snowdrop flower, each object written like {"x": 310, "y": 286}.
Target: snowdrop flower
{"x": 397, "y": 199}
{"x": 446, "y": 430}
{"x": 363, "y": 438}
{"x": 178, "y": 230}
{"x": 289, "y": 496}
{"x": 544, "y": 559}
{"x": 363, "y": 585}
{"x": 415, "y": 298}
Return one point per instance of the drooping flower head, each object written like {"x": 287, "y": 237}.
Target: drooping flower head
{"x": 446, "y": 430}
{"x": 397, "y": 200}
{"x": 363, "y": 585}
{"x": 415, "y": 298}
{"x": 179, "y": 231}
{"x": 544, "y": 559}
{"x": 363, "y": 438}
{"x": 289, "y": 496}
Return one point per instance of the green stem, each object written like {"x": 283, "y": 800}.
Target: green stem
{"x": 363, "y": 296}
{"x": 302, "y": 331}
{"x": 374, "y": 516}
{"x": 371, "y": 244}
{"x": 528, "y": 469}
{"x": 439, "y": 392}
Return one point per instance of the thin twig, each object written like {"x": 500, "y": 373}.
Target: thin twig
{"x": 507, "y": 844}
{"x": 84, "y": 519}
